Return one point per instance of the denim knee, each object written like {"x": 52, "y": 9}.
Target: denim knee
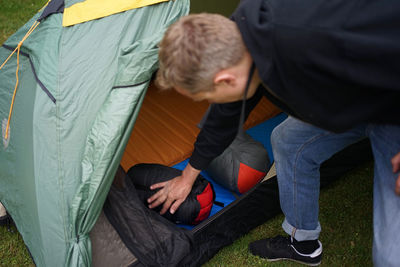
{"x": 277, "y": 137}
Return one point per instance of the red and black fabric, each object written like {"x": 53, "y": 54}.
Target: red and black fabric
{"x": 242, "y": 165}
{"x": 193, "y": 210}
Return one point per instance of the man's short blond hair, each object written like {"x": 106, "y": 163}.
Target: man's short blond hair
{"x": 195, "y": 48}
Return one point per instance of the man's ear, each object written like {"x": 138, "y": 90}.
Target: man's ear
{"x": 225, "y": 77}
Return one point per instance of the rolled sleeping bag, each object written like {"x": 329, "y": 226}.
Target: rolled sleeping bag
{"x": 193, "y": 210}
{"x": 242, "y": 165}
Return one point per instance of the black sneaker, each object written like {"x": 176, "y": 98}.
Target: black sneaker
{"x": 286, "y": 248}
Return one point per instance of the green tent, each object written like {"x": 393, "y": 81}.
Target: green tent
{"x": 83, "y": 73}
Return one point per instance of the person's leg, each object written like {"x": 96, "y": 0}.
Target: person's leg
{"x": 299, "y": 150}
{"x": 385, "y": 142}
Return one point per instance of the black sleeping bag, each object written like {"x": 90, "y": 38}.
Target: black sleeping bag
{"x": 193, "y": 210}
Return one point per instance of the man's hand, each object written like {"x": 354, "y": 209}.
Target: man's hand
{"x": 174, "y": 191}
{"x": 396, "y": 168}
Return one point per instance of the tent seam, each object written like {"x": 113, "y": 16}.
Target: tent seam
{"x": 53, "y": 99}
{"x": 127, "y": 86}
{"x": 60, "y": 167}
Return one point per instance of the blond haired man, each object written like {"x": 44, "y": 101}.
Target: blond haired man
{"x": 332, "y": 66}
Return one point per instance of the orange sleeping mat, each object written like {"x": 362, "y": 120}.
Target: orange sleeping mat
{"x": 166, "y": 127}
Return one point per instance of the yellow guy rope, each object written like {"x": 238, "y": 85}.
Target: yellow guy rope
{"x": 17, "y": 49}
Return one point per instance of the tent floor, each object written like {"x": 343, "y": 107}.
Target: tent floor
{"x": 166, "y": 127}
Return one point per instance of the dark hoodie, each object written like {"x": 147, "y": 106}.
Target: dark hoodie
{"x": 334, "y": 64}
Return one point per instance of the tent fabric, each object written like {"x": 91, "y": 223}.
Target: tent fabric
{"x": 57, "y": 168}
{"x": 53, "y": 7}
{"x": 107, "y": 247}
{"x": 94, "y": 9}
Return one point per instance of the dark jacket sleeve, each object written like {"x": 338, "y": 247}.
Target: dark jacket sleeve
{"x": 220, "y": 129}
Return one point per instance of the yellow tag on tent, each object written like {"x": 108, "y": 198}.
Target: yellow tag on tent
{"x": 95, "y": 9}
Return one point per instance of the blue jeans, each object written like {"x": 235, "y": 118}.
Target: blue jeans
{"x": 300, "y": 148}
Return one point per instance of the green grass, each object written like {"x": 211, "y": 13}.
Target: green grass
{"x": 12, "y": 249}
{"x": 345, "y": 205}
{"x": 15, "y": 13}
